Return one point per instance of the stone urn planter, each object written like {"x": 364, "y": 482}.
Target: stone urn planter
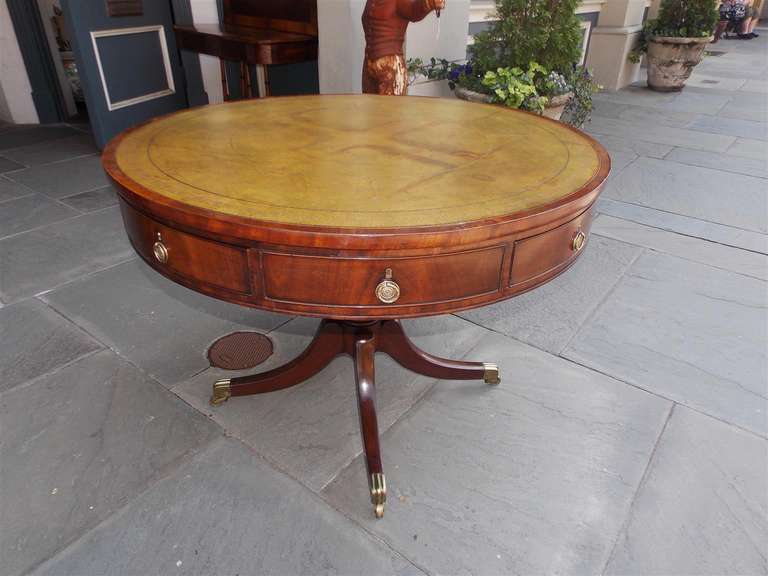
{"x": 671, "y": 60}
{"x": 554, "y": 108}
{"x": 472, "y": 96}
{"x": 556, "y": 105}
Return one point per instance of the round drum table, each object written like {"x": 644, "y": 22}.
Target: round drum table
{"x": 360, "y": 210}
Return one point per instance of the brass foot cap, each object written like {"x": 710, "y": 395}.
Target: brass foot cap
{"x": 221, "y": 391}
{"x": 491, "y": 375}
{"x": 378, "y": 493}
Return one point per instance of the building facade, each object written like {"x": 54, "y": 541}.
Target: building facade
{"x": 610, "y": 29}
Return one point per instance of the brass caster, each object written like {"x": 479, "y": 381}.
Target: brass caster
{"x": 378, "y": 494}
{"x": 221, "y": 391}
{"x": 491, "y": 375}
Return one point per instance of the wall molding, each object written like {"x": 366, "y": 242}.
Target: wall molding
{"x": 160, "y": 29}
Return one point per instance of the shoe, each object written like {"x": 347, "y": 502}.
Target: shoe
{"x": 755, "y": 35}
{"x": 745, "y": 36}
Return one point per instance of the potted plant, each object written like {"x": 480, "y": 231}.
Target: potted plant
{"x": 527, "y": 59}
{"x": 675, "y": 42}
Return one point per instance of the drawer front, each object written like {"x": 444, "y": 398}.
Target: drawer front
{"x": 196, "y": 259}
{"x": 353, "y": 282}
{"x": 536, "y": 256}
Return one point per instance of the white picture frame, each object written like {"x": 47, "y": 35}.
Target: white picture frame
{"x": 160, "y": 29}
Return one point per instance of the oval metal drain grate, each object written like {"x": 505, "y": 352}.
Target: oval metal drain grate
{"x": 240, "y": 350}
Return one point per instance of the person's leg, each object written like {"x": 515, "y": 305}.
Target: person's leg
{"x": 757, "y": 8}
{"x": 744, "y": 24}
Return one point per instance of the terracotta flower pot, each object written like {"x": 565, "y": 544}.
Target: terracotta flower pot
{"x": 554, "y": 108}
{"x": 671, "y": 60}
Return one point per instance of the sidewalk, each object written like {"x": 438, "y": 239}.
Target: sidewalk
{"x": 628, "y": 435}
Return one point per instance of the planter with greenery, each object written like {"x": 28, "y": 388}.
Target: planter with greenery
{"x": 527, "y": 59}
{"x": 675, "y": 42}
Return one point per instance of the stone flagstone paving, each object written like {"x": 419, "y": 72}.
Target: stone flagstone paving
{"x": 628, "y": 436}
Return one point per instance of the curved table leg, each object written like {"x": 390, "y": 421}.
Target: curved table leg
{"x": 394, "y": 342}
{"x": 326, "y": 345}
{"x": 365, "y": 348}
{"x": 360, "y": 340}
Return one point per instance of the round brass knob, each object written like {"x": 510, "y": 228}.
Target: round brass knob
{"x": 387, "y": 291}
{"x": 159, "y": 250}
{"x": 578, "y": 241}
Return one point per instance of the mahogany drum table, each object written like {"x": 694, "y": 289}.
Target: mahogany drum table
{"x": 361, "y": 210}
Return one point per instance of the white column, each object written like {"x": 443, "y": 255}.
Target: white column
{"x": 613, "y": 39}
{"x": 341, "y": 46}
{"x": 206, "y": 12}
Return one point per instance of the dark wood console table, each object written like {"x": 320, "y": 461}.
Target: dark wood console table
{"x": 360, "y": 210}
{"x": 259, "y": 33}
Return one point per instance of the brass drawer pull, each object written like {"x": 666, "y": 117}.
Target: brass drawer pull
{"x": 159, "y": 250}
{"x": 578, "y": 241}
{"x": 387, "y": 290}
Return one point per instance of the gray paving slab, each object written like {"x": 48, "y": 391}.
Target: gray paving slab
{"x": 79, "y": 444}
{"x": 44, "y": 258}
{"x": 530, "y": 477}
{"x": 620, "y": 160}
{"x": 749, "y": 148}
{"x": 661, "y": 134}
{"x": 80, "y": 144}
{"x": 685, "y": 225}
{"x": 725, "y": 162}
{"x": 643, "y": 114}
{"x": 687, "y": 331}
{"x": 759, "y": 86}
{"x": 7, "y": 165}
{"x": 32, "y": 211}
{"x": 34, "y": 340}
{"x": 65, "y": 178}
{"x": 746, "y": 106}
{"x": 10, "y": 190}
{"x": 227, "y": 512}
{"x": 703, "y": 193}
{"x": 711, "y": 253}
{"x": 616, "y": 144}
{"x": 314, "y": 444}
{"x": 757, "y": 130}
{"x": 703, "y": 507}
{"x": 714, "y": 82}
{"x": 549, "y": 316}
{"x": 18, "y": 136}
{"x": 687, "y": 101}
{"x": 162, "y": 327}
{"x": 92, "y": 200}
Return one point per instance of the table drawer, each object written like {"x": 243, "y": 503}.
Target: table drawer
{"x": 196, "y": 259}
{"x": 545, "y": 253}
{"x": 339, "y": 281}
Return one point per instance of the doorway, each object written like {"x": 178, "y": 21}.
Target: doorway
{"x": 107, "y": 65}
{"x": 65, "y": 65}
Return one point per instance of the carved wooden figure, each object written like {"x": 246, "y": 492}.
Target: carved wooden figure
{"x": 385, "y": 23}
